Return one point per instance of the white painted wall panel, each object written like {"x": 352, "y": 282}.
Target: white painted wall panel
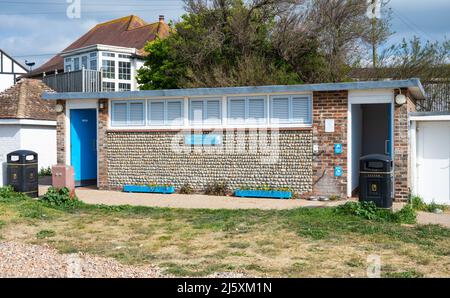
{"x": 6, "y": 81}
{"x": 41, "y": 139}
{"x": 9, "y": 141}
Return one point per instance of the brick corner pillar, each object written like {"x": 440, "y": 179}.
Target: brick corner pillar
{"x": 103, "y": 119}
{"x": 61, "y": 134}
{"x": 330, "y": 105}
{"x": 402, "y": 148}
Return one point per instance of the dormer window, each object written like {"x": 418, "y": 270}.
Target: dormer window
{"x": 108, "y": 54}
{"x": 68, "y": 65}
{"x": 93, "y": 61}
{"x": 76, "y": 63}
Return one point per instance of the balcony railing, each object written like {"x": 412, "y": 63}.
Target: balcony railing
{"x": 84, "y": 80}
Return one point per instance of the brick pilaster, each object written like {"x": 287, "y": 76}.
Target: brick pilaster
{"x": 330, "y": 105}
{"x": 103, "y": 119}
{"x": 401, "y": 148}
{"x": 61, "y": 134}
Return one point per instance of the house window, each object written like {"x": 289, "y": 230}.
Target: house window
{"x": 68, "y": 65}
{"x": 205, "y": 111}
{"x": 291, "y": 109}
{"x": 130, "y": 113}
{"x": 247, "y": 110}
{"x": 124, "y": 70}
{"x": 108, "y": 86}
{"x": 165, "y": 112}
{"x": 109, "y": 69}
{"x": 76, "y": 63}
{"x": 124, "y": 87}
{"x": 84, "y": 62}
{"x": 124, "y": 56}
{"x": 93, "y": 61}
{"x": 108, "y": 54}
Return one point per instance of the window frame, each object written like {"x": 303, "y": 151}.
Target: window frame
{"x": 291, "y": 119}
{"x": 205, "y": 121}
{"x": 165, "y": 121}
{"x": 128, "y": 103}
{"x": 246, "y": 119}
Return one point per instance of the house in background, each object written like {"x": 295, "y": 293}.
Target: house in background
{"x": 10, "y": 70}
{"x": 27, "y": 122}
{"x": 104, "y": 59}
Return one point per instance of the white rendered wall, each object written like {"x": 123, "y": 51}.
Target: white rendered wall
{"x": 6, "y": 81}
{"x": 9, "y": 141}
{"x": 41, "y": 139}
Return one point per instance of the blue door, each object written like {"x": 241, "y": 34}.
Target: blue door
{"x": 83, "y": 144}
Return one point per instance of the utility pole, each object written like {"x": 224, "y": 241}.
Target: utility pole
{"x": 374, "y": 34}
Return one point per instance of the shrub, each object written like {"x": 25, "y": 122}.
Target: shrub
{"x": 418, "y": 204}
{"x": 368, "y": 210}
{"x": 186, "y": 189}
{"x": 60, "y": 198}
{"x": 7, "y": 194}
{"x": 45, "y": 172}
{"x": 217, "y": 189}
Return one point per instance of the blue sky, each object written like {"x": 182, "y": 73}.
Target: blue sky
{"x": 35, "y": 30}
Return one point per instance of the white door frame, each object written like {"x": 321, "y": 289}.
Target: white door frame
{"x": 377, "y": 96}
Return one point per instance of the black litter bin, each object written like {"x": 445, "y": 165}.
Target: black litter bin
{"x": 22, "y": 172}
{"x": 376, "y": 180}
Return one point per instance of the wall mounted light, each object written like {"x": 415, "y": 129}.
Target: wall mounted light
{"x": 59, "y": 108}
{"x": 400, "y": 99}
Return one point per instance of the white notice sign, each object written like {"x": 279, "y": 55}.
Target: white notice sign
{"x": 329, "y": 125}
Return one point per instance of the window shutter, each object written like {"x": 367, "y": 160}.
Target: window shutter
{"x": 157, "y": 112}
{"x": 119, "y": 116}
{"x": 197, "y": 111}
{"x": 174, "y": 112}
{"x": 136, "y": 113}
{"x": 237, "y": 110}
{"x": 280, "y": 110}
{"x": 213, "y": 111}
{"x": 256, "y": 110}
{"x": 301, "y": 110}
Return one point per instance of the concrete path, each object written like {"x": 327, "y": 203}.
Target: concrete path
{"x": 426, "y": 218}
{"x": 192, "y": 201}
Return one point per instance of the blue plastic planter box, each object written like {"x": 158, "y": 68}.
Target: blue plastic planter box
{"x": 149, "y": 189}
{"x": 273, "y": 194}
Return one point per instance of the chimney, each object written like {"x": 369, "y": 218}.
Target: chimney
{"x": 161, "y": 18}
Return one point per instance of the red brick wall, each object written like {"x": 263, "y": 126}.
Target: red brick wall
{"x": 61, "y": 134}
{"x": 103, "y": 119}
{"x": 330, "y": 105}
{"x": 401, "y": 148}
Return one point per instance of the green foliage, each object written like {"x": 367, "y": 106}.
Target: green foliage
{"x": 45, "y": 172}
{"x": 7, "y": 194}
{"x": 217, "y": 189}
{"x": 45, "y": 234}
{"x": 368, "y": 210}
{"x": 61, "y": 198}
{"x": 418, "y": 204}
{"x": 229, "y": 45}
{"x": 186, "y": 189}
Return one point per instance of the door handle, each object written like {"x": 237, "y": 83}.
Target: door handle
{"x": 386, "y": 147}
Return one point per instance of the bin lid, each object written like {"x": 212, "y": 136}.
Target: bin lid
{"x": 377, "y": 157}
{"x": 22, "y": 156}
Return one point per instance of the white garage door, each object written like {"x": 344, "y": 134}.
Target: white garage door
{"x": 433, "y": 161}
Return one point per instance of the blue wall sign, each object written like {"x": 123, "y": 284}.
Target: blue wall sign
{"x": 201, "y": 139}
{"x": 338, "y": 171}
{"x": 338, "y": 148}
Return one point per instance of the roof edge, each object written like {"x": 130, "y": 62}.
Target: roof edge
{"x": 413, "y": 84}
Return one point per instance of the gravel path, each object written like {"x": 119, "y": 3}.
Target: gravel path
{"x": 27, "y": 260}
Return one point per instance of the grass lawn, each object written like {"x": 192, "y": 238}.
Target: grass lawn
{"x": 293, "y": 243}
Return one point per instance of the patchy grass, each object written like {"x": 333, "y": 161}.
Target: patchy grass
{"x": 296, "y": 243}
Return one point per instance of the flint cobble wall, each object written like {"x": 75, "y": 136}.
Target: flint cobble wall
{"x": 149, "y": 157}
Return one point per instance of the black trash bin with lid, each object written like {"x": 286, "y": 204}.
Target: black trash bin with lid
{"x": 376, "y": 180}
{"x": 22, "y": 172}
